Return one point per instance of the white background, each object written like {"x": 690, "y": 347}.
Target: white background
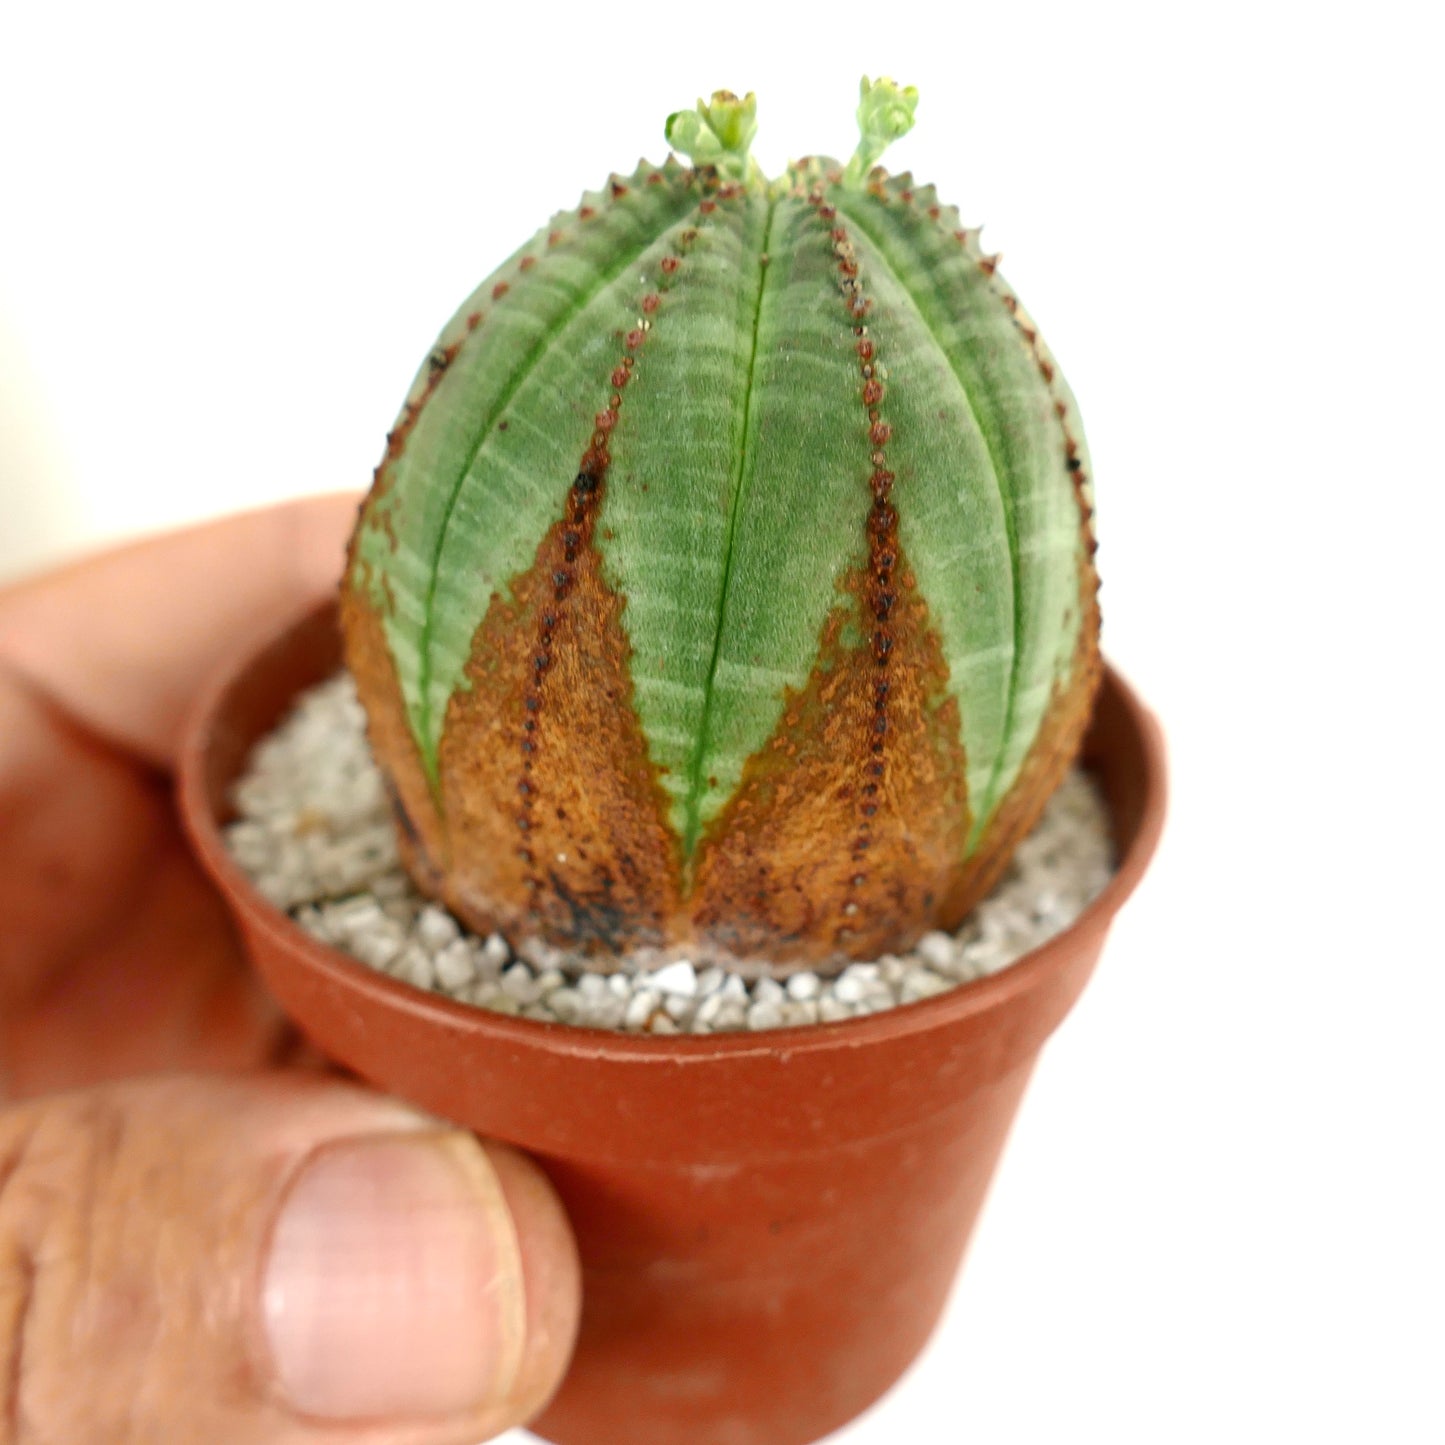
{"x": 228, "y": 234}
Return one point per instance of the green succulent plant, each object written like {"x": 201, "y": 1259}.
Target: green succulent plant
{"x": 727, "y": 582}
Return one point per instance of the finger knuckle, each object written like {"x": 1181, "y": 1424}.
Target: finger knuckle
{"x": 56, "y": 1164}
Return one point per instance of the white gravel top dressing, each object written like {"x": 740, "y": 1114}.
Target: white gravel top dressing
{"x": 315, "y": 835}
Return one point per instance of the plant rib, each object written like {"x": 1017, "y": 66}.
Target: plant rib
{"x": 986, "y": 804}
{"x": 740, "y": 479}
{"x": 584, "y": 500}
{"x": 545, "y": 342}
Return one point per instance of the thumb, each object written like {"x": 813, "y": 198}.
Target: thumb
{"x": 282, "y": 1259}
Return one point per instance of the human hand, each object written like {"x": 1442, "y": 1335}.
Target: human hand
{"x": 202, "y": 1236}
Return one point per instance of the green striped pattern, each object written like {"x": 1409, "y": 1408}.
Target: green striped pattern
{"x": 991, "y": 391}
{"x": 738, "y": 490}
{"x": 485, "y": 471}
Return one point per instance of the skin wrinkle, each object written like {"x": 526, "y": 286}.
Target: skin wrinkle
{"x": 93, "y": 1292}
{"x": 105, "y": 1286}
{"x": 149, "y": 1227}
{"x": 18, "y": 1328}
{"x": 17, "y": 1288}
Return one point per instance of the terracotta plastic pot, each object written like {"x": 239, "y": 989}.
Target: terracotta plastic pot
{"x": 769, "y": 1223}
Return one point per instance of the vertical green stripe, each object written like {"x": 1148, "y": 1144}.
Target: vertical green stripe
{"x": 677, "y": 453}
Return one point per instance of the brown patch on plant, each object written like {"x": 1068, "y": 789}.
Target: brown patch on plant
{"x": 554, "y": 808}
{"x": 772, "y": 881}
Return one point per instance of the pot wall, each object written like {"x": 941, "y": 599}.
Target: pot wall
{"x": 771, "y": 1301}
{"x": 768, "y": 1223}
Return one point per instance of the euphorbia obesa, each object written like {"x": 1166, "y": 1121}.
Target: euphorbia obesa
{"x": 727, "y": 583}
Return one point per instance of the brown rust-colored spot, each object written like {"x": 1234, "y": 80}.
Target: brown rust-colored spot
{"x": 772, "y": 881}
{"x": 555, "y": 811}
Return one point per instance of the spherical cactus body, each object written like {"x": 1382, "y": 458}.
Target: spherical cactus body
{"x": 727, "y": 583}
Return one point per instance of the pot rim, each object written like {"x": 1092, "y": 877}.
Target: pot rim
{"x": 980, "y": 996}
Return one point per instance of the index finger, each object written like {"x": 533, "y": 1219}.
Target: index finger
{"x": 121, "y": 641}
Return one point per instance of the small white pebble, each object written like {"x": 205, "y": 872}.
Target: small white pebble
{"x": 804, "y": 986}
{"x": 592, "y": 986}
{"x": 455, "y": 966}
{"x": 967, "y": 969}
{"x": 662, "y": 1024}
{"x": 566, "y": 1004}
{"x": 831, "y": 1010}
{"x": 520, "y": 983}
{"x": 710, "y": 980}
{"x": 413, "y": 967}
{"x": 602, "y": 1013}
{"x": 495, "y": 951}
{"x": 936, "y": 949}
{"x": 435, "y": 928}
{"x": 401, "y": 911}
{"x": 799, "y": 1011}
{"x": 678, "y": 1005}
{"x": 765, "y": 1016}
{"x": 540, "y": 954}
{"x": 640, "y": 1007}
{"x": 731, "y": 1015}
{"x": 709, "y": 1009}
{"x": 314, "y": 922}
{"x": 735, "y": 988}
{"x": 355, "y": 916}
{"x": 920, "y": 983}
{"x": 379, "y": 948}
{"x": 891, "y": 970}
{"x": 679, "y": 977}
{"x": 619, "y": 985}
{"x": 768, "y": 990}
{"x": 876, "y": 1003}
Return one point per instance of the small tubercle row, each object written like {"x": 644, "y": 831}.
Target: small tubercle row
{"x": 580, "y": 517}
{"x": 900, "y": 189}
{"x": 444, "y": 354}
{"x": 880, "y": 591}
